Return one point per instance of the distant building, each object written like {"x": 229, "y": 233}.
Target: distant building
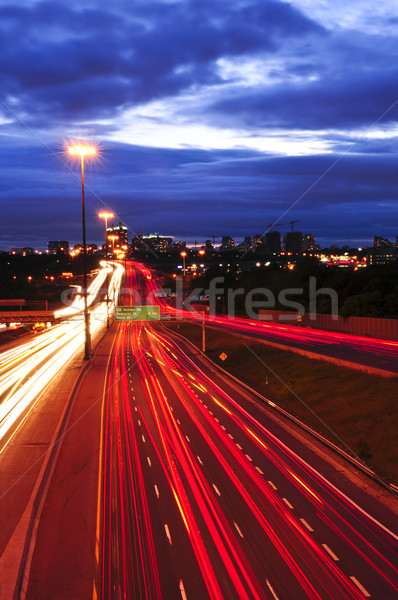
{"x": 157, "y": 242}
{"x": 90, "y": 249}
{"x": 120, "y": 234}
{"x": 384, "y": 252}
{"x": 308, "y": 243}
{"x": 273, "y": 242}
{"x": 293, "y": 242}
{"x": 227, "y": 243}
{"x": 24, "y": 251}
{"x": 209, "y": 246}
{"x": 380, "y": 242}
{"x": 58, "y": 247}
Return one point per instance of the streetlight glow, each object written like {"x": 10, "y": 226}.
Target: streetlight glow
{"x": 106, "y": 216}
{"x": 82, "y": 150}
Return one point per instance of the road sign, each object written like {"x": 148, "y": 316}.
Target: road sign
{"x": 137, "y": 313}
{"x": 223, "y": 356}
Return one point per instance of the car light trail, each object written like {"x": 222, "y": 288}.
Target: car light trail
{"x": 26, "y": 370}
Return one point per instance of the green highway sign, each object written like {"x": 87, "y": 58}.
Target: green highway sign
{"x": 137, "y": 313}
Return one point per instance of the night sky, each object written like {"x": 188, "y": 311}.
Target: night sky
{"x": 213, "y": 117}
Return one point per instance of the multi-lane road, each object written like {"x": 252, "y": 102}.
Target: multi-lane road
{"x": 172, "y": 482}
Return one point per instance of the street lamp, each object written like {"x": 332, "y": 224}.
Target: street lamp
{"x": 183, "y": 254}
{"x": 106, "y": 216}
{"x": 83, "y": 151}
{"x": 113, "y": 238}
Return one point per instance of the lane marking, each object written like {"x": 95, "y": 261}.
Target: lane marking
{"x": 271, "y": 589}
{"x": 249, "y": 458}
{"x": 149, "y": 461}
{"x": 139, "y": 422}
{"x": 182, "y": 590}
{"x": 198, "y": 457}
{"x": 178, "y": 422}
{"x": 231, "y": 436}
{"x": 156, "y": 491}
{"x": 238, "y": 530}
{"x": 259, "y": 470}
{"x": 168, "y": 534}
{"x": 135, "y": 408}
{"x": 223, "y": 427}
{"x": 187, "y": 438}
{"x": 216, "y": 489}
{"x": 359, "y": 586}
{"x": 272, "y": 485}
{"x": 238, "y": 446}
{"x": 132, "y": 389}
{"x": 304, "y": 522}
{"x": 143, "y": 438}
{"x": 286, "y": 501}
{"x": 329, "y": 551}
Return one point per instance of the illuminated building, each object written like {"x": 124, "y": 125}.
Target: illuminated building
{"x": 25, "y": 251}
{"x": 58, "y": 247}
{"x": 227, "y": 243}
{"x": 121, "y": 236}
{"x": 308, "y": 243}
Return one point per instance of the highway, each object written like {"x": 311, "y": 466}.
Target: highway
{"x": 200, "y": 496}
{"x": 26, "y": 369}
{"x": 172, "y": 482}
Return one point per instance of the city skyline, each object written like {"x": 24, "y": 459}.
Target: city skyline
{"x": 210, "y": 119}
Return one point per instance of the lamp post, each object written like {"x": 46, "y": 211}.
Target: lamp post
{"x": 113, "y": 238}
{"x": 106, "y": 216}
{"x": 183, "y": 254}
{"x": 83, "y": 151}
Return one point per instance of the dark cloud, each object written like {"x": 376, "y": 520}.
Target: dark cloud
{"x": 81, "y": 64}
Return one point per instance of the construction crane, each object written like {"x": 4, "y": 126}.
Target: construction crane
{"x": 213, "y": 237}
{"x": 293, "y": 222}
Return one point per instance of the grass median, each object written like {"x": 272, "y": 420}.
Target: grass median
{"x": 359, "y": 407}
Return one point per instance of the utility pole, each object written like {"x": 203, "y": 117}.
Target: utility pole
{"x": 203, "y": 333}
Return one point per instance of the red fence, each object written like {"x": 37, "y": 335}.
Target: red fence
{"x": 384, "y": 328}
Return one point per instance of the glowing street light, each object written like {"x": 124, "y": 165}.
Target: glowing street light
{"x": 106, "y": 216}
{"x": 183, "y": 254}
{"x": 82, "y": 151}
{"x": 113, "y": 238}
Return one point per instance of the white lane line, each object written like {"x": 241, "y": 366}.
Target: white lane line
{"x": 210, "y": 412}
{"x": 216, "y": 489}
{"x": 156, "y": 491}
{"x": 135, "y": 408}
{"x": 198, "y": 457}
{"x": 139, "y": 422}
{"x": 238, "y": 446}
{"x": 168, "y": 533}
{"x": 231, "y": 436}
{"x": 248, "y": 457}
{"x": 329, "y": 551}
{"x": 286, "y": 501}
{"x": 259, "y": 470}
{"x": 238, "y": 530}
{"x": 182, "y": 590}
{"x": 223, "y": 427}
{"x": 187, "y": 438}
{"x": 178, "y": 422}
{"x": 359, "y": 586}
{"x": 271, "y": 589}
{"x": 272, "y": 485}
{"x": 215, "y": 418}
{"x": 132, "y": 389}
{"x": 304, "y": 522}
{"x": 149, "y": 461}
{"x": 143, "y": 438}
{"x": 133, "y": 397}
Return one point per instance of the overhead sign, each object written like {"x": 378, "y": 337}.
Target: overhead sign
{"x": 137, "y": 313}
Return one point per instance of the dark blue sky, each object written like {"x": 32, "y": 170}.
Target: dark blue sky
{"x": 213, "y": 118}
